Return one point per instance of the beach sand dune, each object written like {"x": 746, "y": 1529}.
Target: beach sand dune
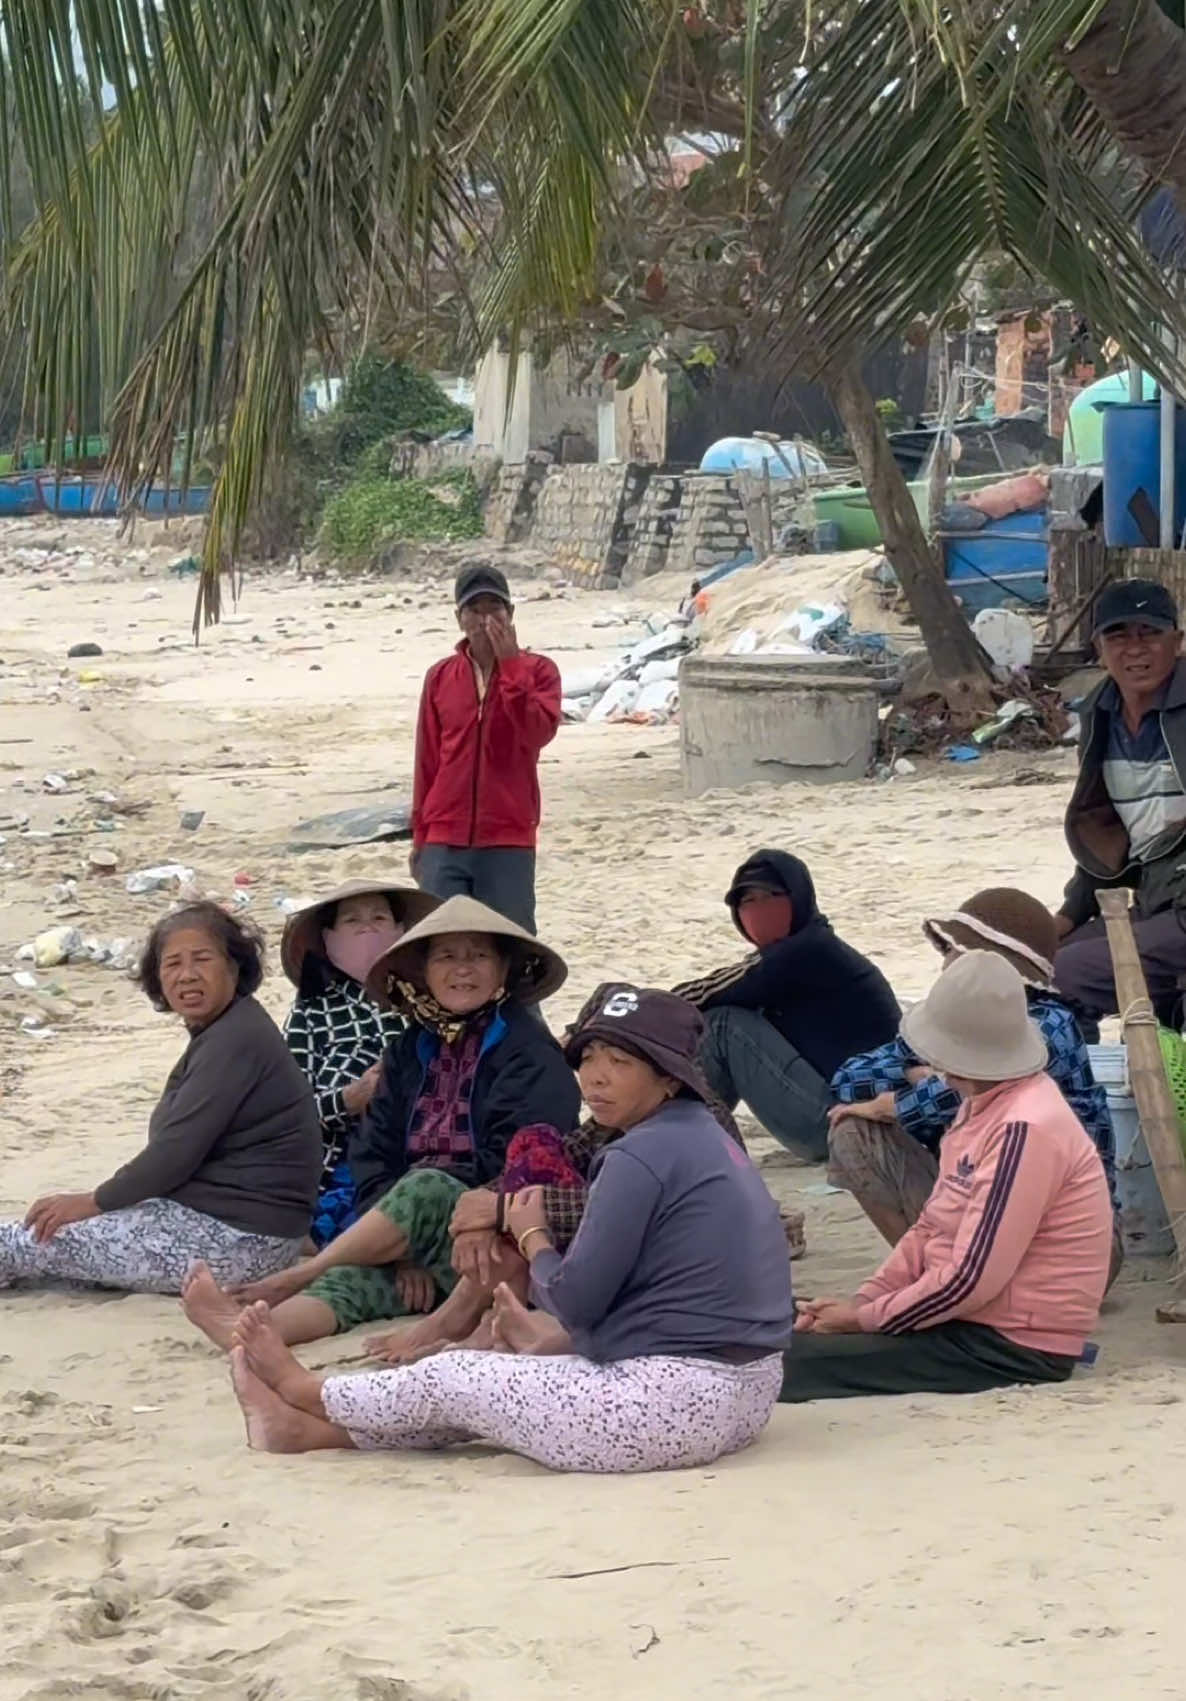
{"x": 1012, "y": 1545}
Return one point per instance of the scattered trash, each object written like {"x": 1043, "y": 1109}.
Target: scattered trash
{"x": 902, "y": 767}
{"x": 36, "y": 1025}
{"x": 1016, "y": 709}
{"x": 1007, "y": 636}
{"x": 25, "y": 979}
{"x": 187, "y": 568}
{"x": 191, "y": 820}
{"x": 963, "y": 753}
{"x": 55, "y": 782}
{"x": 160, "y": 878}
{"x": 368, "y": 824}
{"x": 102, "y": 862}
{"x": 285, "y": 904}
{"x": 87, "y": 649}
{"x": 56, "y": 945}
{"x": 618, "y": 700}
{"x": 240, "y": 898}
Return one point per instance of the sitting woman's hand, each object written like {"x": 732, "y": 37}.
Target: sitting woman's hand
{"x": 358, "y": 1095}
{"x": 477, "y": 1209}
{"x": 416, "y": 1288}
{"x": 828, "y": 1317}
{"x": 476, "y": 1254}
{"x": 525, "y": 1211}
{"x": 46, "y": 1216}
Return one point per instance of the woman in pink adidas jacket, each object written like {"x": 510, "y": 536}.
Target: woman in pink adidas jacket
{"x": 1000, "y": 1280}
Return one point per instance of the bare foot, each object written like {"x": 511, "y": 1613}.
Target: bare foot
{"x": 273, "y": 1426}
{"x": 432, "y": 1334}
{"x": 274, "y": 1290}
{"x": 272, "y": 1361}
{"x": 481, "y": 1340}
{"x": 208, "y": 1307}
{"x": 517, "y": 1330}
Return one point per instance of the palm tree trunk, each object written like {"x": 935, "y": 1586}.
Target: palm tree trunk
{"x": 959, "y": 663}
{"x": 1131, "y": 63}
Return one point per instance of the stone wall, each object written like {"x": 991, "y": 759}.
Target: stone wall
{"x": 710, "y": 526}
{"x": 583, "y": 517}
{"x": 650, "y": 539}
{"x": 618, "y": 522}
{"x": 510, "y": 506}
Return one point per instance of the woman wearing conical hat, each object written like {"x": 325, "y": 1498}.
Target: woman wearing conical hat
{"x": 473, "y": 1067}
{"x": 336, "y": 1030}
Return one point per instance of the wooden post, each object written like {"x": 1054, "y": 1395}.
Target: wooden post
{"x": 1151, "y": 1089}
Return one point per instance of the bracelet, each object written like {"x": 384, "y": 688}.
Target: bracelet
{"x": 526, "y": 1236}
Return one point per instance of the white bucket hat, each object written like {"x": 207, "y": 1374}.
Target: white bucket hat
{"x": 975, "y": 1022}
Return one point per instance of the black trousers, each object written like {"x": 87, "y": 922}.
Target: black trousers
{"x": 954, "y": 1358}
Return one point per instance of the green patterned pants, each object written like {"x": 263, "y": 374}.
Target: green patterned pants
{"x": 421, "y": 1204}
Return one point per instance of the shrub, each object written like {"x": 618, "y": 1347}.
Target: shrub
{"x": 373, "y": 511}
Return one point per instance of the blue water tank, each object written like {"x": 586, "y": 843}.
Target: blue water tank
{"x": 1132, "y": 463}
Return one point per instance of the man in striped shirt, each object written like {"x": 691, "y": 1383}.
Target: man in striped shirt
{"x": 1126, "y": 822}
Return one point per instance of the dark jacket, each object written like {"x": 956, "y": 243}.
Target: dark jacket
{"x": 476, "y": 782}
{"x": 820, "y": 993}
{"x": 1095, "y": 833}
{"x": 235, "y": 1135}
{"x": 521, "y": 1078}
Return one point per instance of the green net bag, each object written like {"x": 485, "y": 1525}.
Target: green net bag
{"x": 1173, "y": 1056}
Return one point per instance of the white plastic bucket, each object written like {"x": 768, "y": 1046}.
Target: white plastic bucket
{"x": 1144, "y": 1225}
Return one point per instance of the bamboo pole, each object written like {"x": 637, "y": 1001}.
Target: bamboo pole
{"x": 1151, "y": 1089}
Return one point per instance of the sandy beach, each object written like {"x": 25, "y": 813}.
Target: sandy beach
{"x": 1006, "y": 1545}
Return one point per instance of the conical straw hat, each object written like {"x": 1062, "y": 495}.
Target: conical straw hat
{"x": 541, "y": 971}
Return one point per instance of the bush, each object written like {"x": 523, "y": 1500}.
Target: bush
{"x": 382, "y": 398}
{"x": 372, "y": 511}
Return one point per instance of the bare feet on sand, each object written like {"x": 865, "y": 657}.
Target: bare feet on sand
{"x": 273, "y": 1362}
{"x": 273, "y": 1426}
{"x": 517, "y": 1330}
{"x": 274, "y": 1290}
{"x": 208, "y": 1307}
{"x": 435, "y": 1334}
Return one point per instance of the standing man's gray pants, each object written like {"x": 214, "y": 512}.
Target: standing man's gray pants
{"x": 502, "y": 879}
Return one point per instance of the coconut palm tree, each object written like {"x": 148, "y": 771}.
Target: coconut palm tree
{"x": 332, "y": 151}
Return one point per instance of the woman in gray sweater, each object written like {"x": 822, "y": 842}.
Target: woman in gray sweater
{"x": 666, "y": 1318}
{"x": 229, "y": 1173}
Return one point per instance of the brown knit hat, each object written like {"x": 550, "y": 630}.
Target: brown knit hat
{"x": 1002, "y": 919}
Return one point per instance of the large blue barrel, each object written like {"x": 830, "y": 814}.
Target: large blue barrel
{"x": 1132, "y": 462}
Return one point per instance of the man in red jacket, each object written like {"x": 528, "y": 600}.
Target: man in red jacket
{"x": 486, "y": 712}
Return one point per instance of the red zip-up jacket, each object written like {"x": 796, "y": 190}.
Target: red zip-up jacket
{"x": 476, "y": 781}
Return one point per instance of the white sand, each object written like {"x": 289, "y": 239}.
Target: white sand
{"x": 1003, "y": 1546}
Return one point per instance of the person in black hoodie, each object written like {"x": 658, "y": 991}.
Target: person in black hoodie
{"x": 780, "y": 1022}
{"x": 472, "y": 1068}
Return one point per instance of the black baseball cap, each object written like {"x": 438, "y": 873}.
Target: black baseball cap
{"x": 656, "y": 1026}
{"x": 1136, "y": 602}
{"x": 481, "y": 581}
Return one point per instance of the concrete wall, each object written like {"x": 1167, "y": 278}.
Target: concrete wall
{"x": 549, "y": 408}
{"x": 710, "y": 526}
{"x": 553, "y": 409}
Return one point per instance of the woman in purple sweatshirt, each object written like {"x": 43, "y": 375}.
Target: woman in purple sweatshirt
{"x": 664, "y": 1323}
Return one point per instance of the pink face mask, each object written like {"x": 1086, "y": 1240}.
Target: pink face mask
{"x": 355, "y": 950}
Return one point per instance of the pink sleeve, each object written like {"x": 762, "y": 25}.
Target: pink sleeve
{"x": 530, "y": 687}
{"x": 903, "y": 1266}
{"x": 1015, "y": 1173}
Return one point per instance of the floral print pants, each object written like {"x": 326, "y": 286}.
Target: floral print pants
{"x": 641, "y": 1414}
{"x": 147, "y": 1248}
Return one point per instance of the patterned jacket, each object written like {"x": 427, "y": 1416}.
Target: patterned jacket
{"x": 335, "y": 1038}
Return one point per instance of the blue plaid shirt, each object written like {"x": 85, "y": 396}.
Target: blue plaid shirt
{"x": 927, "y": 1109}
